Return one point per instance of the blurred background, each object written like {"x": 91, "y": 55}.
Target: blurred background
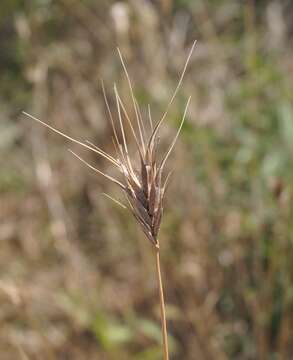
{"x": 77, "y": 276}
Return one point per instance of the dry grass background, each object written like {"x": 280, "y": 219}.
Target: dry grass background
{"x": 76, "y": 278}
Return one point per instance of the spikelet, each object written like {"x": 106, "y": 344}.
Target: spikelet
{"x": 144, "y": 187}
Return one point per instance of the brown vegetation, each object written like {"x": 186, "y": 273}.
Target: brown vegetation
{"x": 76, "y": 274}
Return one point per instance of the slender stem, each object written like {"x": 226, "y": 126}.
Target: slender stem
{"x": 162, "y": 307}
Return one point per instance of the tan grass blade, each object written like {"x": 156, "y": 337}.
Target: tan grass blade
{"x": 128, "y": 120}
{"x": 141, "y": 121}
{"x": 110, "y": 114}
{"x": 120, "y": 120}
{"x": 125, "y": 154}
{"x": 97, "y": 150}
{"x": 174, "y": 94}
{"x": 176, "y": 136}
{"x": 115, "y": 147}
{"x": 150, "y": 118}
{"x": 117, "y": 182}
{"x": 114, "y": 200}
{"x": 133, "y": 99}
{"x": 166, "y": 183}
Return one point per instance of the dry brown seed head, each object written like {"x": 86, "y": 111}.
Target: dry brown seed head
{"x": 143, "y": 189}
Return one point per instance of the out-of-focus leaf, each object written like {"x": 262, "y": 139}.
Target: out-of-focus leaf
{"x": 150, "y": 329}
{"x": 152, "y": 353}
{"x": 153, "y": 331}
{"x": 109, "y": 333}
{"x": 119, "y": 334}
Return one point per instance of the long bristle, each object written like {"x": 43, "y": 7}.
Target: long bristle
{"x": 174, "y": 94}
{"x": 133, "y": 100}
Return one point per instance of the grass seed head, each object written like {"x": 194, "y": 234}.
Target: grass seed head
{"x": 144, "y": 186}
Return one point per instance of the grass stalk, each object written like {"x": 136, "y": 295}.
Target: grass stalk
{"x": 162, "y": 306}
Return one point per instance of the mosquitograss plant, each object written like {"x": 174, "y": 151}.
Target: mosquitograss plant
{"x": 144, "y": 186}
